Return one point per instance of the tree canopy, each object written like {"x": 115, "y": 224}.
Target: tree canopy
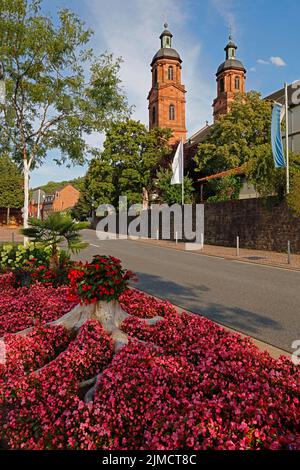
{"x": 171, "y": 194}
{"x": 127, "y": 165}
{"x": 57, "y": 91}
{"x": 243, "y": 138}
{"x": 11, "y": 183}
{"x": 51, "y": 186}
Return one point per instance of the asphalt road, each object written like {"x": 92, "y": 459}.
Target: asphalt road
{"x": 260, "y": 301}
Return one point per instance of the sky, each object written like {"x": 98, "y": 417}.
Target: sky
{"x": 266, "y": 32}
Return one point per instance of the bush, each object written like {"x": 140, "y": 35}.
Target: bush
{"x": 102, "y": 279}
{"x": 18, "y": 256}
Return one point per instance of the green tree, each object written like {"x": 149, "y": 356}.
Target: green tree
{"x": 243, "y": 138}
{"x": 83, "y": 209}
{"x": 56, "y": 89}
{"x": 11, "y": 185}
{"x": 293, "y": 198}
{"x": 53, "y": 231}
{"x": 225, "y": 188}
{"x": 127, "y": 166}
{"x": 172, "y": 193}
{"x": 52, "y": 186}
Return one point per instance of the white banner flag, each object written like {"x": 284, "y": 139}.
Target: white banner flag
{"x": 177, "y": 165}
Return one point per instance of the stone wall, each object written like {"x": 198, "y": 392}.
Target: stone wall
{"x": 261, "y": 224}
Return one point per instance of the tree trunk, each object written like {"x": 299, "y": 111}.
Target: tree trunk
{"x": 145, "y": 199}
{"x": 109, "y": 314}
{"x": 7, "y": 216}
{"x": 54, "y": 259}
{"x": 26, "y": 196}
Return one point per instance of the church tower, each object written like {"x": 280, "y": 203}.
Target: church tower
{"x": 167, "y": 95}
{"x": 231, "y": 77}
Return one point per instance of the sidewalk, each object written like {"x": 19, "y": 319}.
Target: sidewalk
{"x": 268, "y": 258}
{"x": 9, "y": 235}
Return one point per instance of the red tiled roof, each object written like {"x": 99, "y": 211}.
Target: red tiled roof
{"x": 233, "y": 171}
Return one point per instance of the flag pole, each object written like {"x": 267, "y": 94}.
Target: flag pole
{"x": 182, "y": 184}
{"x": 287, "y": 138}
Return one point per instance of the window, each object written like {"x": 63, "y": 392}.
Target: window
{"x": 155, "y": 76}
{"x": 172, "y": 112}
{"x": 222, "y": 85}
{"x": 153, "y": 115}
{"x": 237, "y": 83}
{"x": 170, "y": 73}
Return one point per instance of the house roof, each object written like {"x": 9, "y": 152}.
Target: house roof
{"x": 229, "y": 64}
{"x": 233, "y": 171}
{"x": 279, "y": 95}
{"x": 200, "y": 135}
{"x": 166, "y": 53}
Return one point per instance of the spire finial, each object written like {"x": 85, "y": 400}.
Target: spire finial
{"x": 230, "y": 32}
{"x": 166, "y": 25}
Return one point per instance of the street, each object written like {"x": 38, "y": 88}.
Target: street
{"x": 260, "y": 301}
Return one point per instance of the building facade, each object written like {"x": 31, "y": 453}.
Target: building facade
{"x": 294, "y": 113}
{"x": 231, "y": 77}
{"x": 167, "y": 95}
{"x": 62, "y": 199}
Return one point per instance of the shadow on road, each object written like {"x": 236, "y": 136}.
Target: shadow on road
{"x": 190, "y": 298}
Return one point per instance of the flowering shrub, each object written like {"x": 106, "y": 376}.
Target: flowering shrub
{"x": 25, "y": 354}
{"x": 21, "y": 308}
{"x": 102, "y": 279}
{"x": 183, "y": 383}
{"x": 35, "y": 404}
{"x": 32, "y": 272}
{"x": 143, "y": 305}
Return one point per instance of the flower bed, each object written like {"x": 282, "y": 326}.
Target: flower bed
{"x": 23, "y": 307}
{"x": 183, "y": 383}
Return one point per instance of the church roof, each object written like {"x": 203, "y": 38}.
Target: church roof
{"x": 166, "y": 53}
{"x": 231, "y": 64}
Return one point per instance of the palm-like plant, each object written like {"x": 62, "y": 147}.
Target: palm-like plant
{"x": 53, "y": 231}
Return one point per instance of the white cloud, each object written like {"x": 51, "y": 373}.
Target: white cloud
{"x": 274, "y": 60}
{"x": 278, "y": 61}
{"x": 262, "y": 61}
{"x": 252, "y": 69}
{"x": 132, "y": 30}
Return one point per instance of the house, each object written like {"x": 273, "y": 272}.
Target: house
{"x": 63, "y": 199}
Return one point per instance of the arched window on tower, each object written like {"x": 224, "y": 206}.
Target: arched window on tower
{"x": 222, "y": 85}
{"x": 155, "y": 76}
{"x": 172, "y": 112}
{"x": 237, "y": 83}
{"x": 170, "y": 73}
{"x": 153, "y": 115}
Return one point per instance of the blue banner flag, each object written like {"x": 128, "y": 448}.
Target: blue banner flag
{"x": 276, "y": 138}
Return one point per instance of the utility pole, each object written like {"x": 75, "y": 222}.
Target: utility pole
{"x": 287, "y": 138}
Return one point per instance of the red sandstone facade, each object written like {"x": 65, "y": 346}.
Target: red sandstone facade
{"x": 167, "y": 95}
{"x": 231, "y": 76}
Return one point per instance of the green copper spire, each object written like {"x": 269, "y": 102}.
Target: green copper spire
{"x": 166, "y": 37}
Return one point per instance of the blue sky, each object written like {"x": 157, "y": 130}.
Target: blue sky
{"x": 266, "y": 32}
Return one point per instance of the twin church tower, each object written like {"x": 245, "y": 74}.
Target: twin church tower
{"x": 167, "y": 95}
